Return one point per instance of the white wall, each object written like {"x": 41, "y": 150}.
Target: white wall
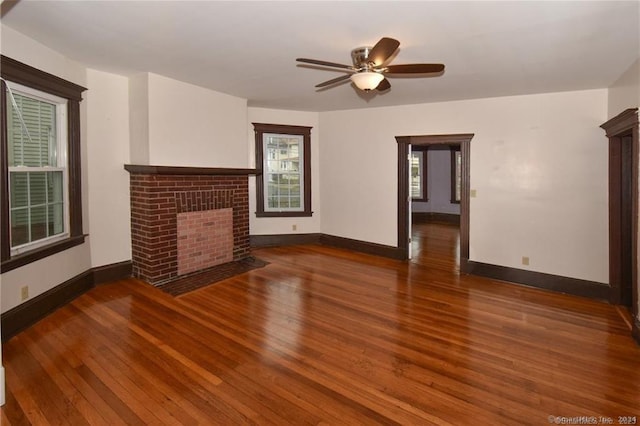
{"x": 194, "y": 126}
{"x": 284, "y": 225}
{"x": 438, "y": 183}
{"x": 47, "y": 273}
{"x": 108, "y": 181}
{"x": 538, "y": 164}
{"x": 625, "y": 91}
{"x": 138, "y": 104}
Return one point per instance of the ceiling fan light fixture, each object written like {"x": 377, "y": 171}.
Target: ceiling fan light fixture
{"x": 367, "y": 80}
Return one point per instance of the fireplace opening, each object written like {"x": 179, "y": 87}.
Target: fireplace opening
{"x": 205, "y": 239}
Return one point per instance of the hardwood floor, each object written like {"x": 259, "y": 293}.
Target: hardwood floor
{"x": 326, "y": 336}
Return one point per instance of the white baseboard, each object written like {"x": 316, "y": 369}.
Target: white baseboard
{"x": 1, "y": 385}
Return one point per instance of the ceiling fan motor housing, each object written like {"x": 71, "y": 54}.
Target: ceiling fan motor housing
{"x": 360, "y": 56}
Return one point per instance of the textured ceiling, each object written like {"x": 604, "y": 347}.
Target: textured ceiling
{"x": 248, "y": 49}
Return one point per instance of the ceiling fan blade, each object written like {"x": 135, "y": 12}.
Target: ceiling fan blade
{"x": 414, "y": 68}
{"x": 334, "y": 80}
{"x": 383, "y": 50}
{"x": 324, "y": 63}
{"x": 384, "y": 85}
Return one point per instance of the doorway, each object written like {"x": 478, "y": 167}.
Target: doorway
{"x": 404, "y": 210}
{"x": 622, "y": 132}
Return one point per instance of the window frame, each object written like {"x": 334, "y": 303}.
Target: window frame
{"x": 30, "y": 77}
{"x": 455, "y": 151}
{"x": 282, "y": 129}
{"x": 424, "y": 182}
{"x": 60, "y": 166}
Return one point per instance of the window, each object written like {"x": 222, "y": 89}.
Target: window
{"x": 283, "y": 187}
{"x": 36, "y": 126}
{"x": 40, "y": 211}
{"x": 456, "y": 174}
{"x": 419, "y": 175}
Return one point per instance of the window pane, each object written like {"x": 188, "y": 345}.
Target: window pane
{"x": 282, "y": 171}
{"x": 38, "y": 188}
{"x": 19, "y": 190}
{"x": 416, "y": 175}
{"x": 55, "y": 219}
{"x": 31, "y": 131}
{"x": 19, "y": 227}
{"x": 54, "y": 182}
{"x": 38, "y": 223}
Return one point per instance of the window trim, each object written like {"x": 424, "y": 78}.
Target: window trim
{"x": 425, "y": 180}
{"x": 454, "y": 150}
{"x": 28, "y": 76}
{"x": 260, "y": 129}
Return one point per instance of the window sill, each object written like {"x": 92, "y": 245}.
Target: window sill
{"x": 40, "y": 253}
{"x": 284, "y": 214}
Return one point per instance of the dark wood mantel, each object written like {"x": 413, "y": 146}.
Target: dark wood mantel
{"x": 184, "y": 170}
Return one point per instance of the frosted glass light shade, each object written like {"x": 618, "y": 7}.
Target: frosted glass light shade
{"x": 367, "y": 80}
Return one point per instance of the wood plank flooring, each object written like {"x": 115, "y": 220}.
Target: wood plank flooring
{"x": 326, "y": 336}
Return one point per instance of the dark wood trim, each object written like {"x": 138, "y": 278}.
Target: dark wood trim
{"x": 40, "y": 253}
{"x": 33, "y": 310}
{"x": 402, "y": 196}
{"x": 284, "y": 214}
{"x": 461, "y": 139}
{"x": 448, "y": 139}
{"x": 620, "y": 122}
{"x": 27, "y": 75}
{"x": 28, "y": 313}
{"x": 617, "y": 130}
{"x": 327, "y": 240}
{"x": 286, "y": 129}
{"x": 5, "y": 225}
{"x": 75, "y": 169}
{"x": 363, "y": 247}
{"x": 113, "y": 272}
{"x": 283, "y": 240}
{"x": 465, "y": 149}
{"x": 185, "y": 170}
{"x": 577, "y": 287}
{"x": 305, "y": 132}
{"x": 425, "y": 217}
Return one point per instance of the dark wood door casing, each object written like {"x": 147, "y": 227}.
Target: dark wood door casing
{"x": 462, "y": 140}
{"x": 622, "y": 133}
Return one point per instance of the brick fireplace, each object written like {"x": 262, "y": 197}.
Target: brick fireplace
{"x": 187, "y": 219}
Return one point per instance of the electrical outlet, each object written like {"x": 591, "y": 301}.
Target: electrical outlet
{"x": 294, "y": 227}
{"x": 525, "y": 260}
{"x": 472, "y": 193}
{"x": 24, "y": 292}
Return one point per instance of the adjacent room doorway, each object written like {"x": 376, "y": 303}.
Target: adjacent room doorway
{"x": 404, "y": 200}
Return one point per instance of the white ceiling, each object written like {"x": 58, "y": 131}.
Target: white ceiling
{"x": 248, "y": 49}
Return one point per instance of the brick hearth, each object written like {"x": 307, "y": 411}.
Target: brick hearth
{"x": 159, "y": 194}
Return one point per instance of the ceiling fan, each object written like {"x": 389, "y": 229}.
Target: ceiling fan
{"x": 369, "y": 71}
